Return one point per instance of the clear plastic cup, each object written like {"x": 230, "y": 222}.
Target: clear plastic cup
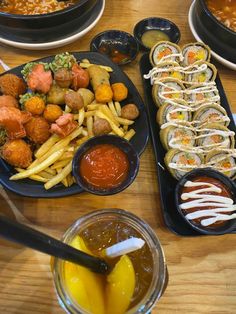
{"x": 159, "y": 276}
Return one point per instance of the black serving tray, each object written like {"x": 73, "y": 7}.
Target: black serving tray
{"x": 30, "y": 188}
{"x": 167, "y": 183}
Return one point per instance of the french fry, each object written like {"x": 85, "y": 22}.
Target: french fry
{"x": 90, "y": 126}
{"x": 67, "y": 109}
{"x": 81, "y": 140}
{"x": 124, "y": 121}
{"x": 67, "y": 155}
{"x": 81, "y": 116}
{"x": 89, "y": 114}
{"x": 125, "y": 128}
{"x": 45, "y": 175}
{"x": 35, "y": 170}
{"x": 118, "y": 108}
{"x": 114, "y": 127}
{"x": 93, "y": 107}
{"x": 84, "y": 132}
{"x": 86, "y": 65}
{"x": 129, "y": 134}
{"x": 60, "y": 164}
{"x": 106, "y": 111}
{"x": 112, "y": 108}
{"x": 59, "y": 177}
{"x": 34, "y": 177}
{"x": 51, "y": 171}
{"x": 44, "y": 148}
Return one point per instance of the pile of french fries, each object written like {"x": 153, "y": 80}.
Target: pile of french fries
{"x": 53, "y": 160}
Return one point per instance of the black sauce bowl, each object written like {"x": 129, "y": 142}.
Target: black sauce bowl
{"x": 156, "y": 23}
{"x": 117, "y": 141}
{"x": 229, "y": 225}
{"x": 45, "y": 27}
{"x": 212, "y": 32}
{"x": 121, "y": 41}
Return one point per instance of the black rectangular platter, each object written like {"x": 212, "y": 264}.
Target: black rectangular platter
{"x": 166, "y": 182}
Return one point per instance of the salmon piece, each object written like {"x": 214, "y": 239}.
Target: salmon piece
{"x": 12, "y": 120}
{"x": 64, "y": 125}
{"x": 39, "y": 79}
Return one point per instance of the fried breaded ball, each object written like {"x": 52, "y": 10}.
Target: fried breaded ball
{"x": 37, "y": 130}
{"x": 103, "y": 93}
{"x": 8, "y": 101}
{"x": 17, "y": 153}
{"x": 63, "y": 77}
{"x": 120, "y": 91}
{"x": 11, "y": 84}
{"x": 35, "y": 105}
{"x": 101, "y": 126}
{"x": 129, "y": 111}
{"x": 52, "y": 112}
{"x": 74, "y": 100}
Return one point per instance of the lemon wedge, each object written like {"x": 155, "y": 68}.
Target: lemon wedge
{"x": 120, "y": 286}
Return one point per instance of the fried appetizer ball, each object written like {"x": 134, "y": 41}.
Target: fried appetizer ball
{"x": 8, "y": 101}
{"x": 101, "y": 126}
{"x": 11, "y": 84}
{"x": 17, "y": 153}
{"x": 120, "y": 91}
{"x": 129, "y": 111}
{"x": 103, "y": 93}
{"x": 74, "y": 100}
{"x": 39, "y": 79}
{"x": 35, "y": 105}
{"x": 80, "y": 77}
{"x": 63, "y": 77}
{"x": 52, "y": 112}
{"x": 37, "y": 130}
{"x": 56, "y": 95}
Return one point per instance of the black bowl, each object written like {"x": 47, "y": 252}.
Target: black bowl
{"x": 158, "y": 23}
{"x": 113, "y": 42}
{"x": 45, "y": 27}
{"x": 229, "y": 225}
{"x": 216, "y": 35}
{"x": 117, "y": 141}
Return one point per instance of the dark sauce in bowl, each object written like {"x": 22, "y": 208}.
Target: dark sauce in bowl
{"x": 112, "y": 51}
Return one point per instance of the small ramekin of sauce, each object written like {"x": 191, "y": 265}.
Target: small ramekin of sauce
{"x": 105, "y": 165}
{"x": 119, "y": 46}
{"x": 206, "y": 199}
{"x": 151, "y": 30}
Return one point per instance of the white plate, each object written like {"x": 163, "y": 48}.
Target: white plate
{"x": 225, "y": 62}
{"x": 58, "y": 43}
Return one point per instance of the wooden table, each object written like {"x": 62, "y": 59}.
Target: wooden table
{"x": 202, "y": 270}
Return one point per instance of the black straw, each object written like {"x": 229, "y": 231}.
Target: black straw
{"x": 39, "y": 241}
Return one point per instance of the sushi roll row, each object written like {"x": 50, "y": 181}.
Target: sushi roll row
{"x": 180, "y": 162}
{"x": 193, "y": 125}
{"x": 190, "y": 54}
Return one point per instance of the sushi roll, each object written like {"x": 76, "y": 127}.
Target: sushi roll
{"x": 211, "y": 113}
{"x": 215, "y": 136}
{"x": 224, "y": 162}
{"x": 177, "y": 112}
{"x": 167, "y": 89}
{"x": 195, "y": 52}
{"x": 166, "y": 70}
{"x": 164, "y": 51}
{"x": 179, "y": 162}
{"x": 180, "y": 137}
{"x": 200, "y": 93}
{"x": 201, "y": 73}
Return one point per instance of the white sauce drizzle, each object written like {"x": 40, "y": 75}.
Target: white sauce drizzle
{"x": 222, "y": 204}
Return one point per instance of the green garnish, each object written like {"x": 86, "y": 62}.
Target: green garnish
{"x": 28, "y": 68}
{"x": 63, "y": 60}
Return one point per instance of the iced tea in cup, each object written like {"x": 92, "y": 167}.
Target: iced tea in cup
{"x": 136, "y": 280}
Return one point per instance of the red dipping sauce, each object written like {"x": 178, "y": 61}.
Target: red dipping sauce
{"x": 104, "y": 166}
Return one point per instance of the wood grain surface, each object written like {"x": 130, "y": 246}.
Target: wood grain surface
{"x": 202, "y": 270}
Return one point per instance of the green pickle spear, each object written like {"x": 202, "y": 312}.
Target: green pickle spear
{"x": 92, "y": 292}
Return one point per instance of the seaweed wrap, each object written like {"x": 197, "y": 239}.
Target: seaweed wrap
{"x": 201, "y": 73}
{"x": 215, "y": 136}
{"x": 167, "y": 89}
{"x": 177, "y": 112}
{"x": 202, "y": 93}
{"x": 195, "y": 52}
{"x": 211, "y": 113}
{"x": 164, "y": 51}
{"x": 222, "y": 161}
{"x": 180, "y": 137}
{"x": 179, "y": 162}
